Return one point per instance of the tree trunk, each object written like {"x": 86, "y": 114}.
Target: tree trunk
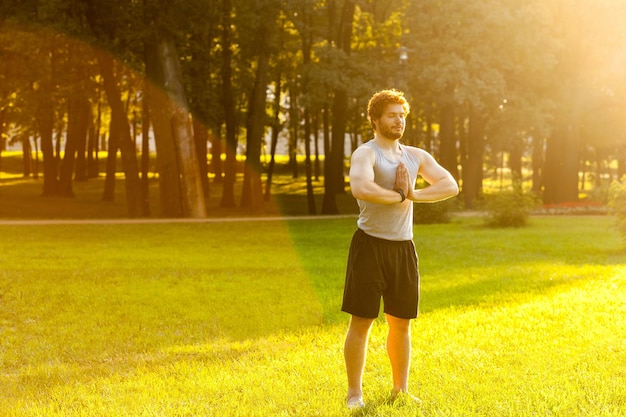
{"x": 294, "y": 124}
{"x": 230, "y": 166}
{"x": 316, "y": 135}
{"x": 45, "y": 124}
{"x": 333, "y": 175}
{"x": 275, "y": 131}
{"x": 329, "y": 203}
{"x": 167, "y": 163}
{"x": 473, "y": 160}
{"x": 252, "y": 195}
{"x": 3, "y": 140}
{"x": 126, "y": 145}
{"x": 27, "y": 157}
{"x": 83, "y": 121}
{"x": 447, "y": 141}
{"x": 307, "y": 45}
{"x": 308, "y": 166}
{"x": 216, "y": 158}
{"x": 36, "y": 159}
{"x": 516, "y": 152}
{"x": 194, "y": 203}
{"x": 77, "y": 126}
{"x": 92, "y": 169}
{"x": 537, "y": 163}
{"x": 145, "y": 152}
{"x": 113, "y": 145}
{"x": 561, "y": 166}
{"x": 201, "y": 138}
{"x": 334, "y": 178}
{"x": 338, "y": 139}
{"x": 428, "y": 139}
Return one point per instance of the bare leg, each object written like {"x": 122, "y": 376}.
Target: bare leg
{"x": 399, "y": 350}
{"x": 355, "y": 352}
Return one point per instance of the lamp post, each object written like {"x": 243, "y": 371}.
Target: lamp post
{"x": 403, "y": 59}
{"x": 403, "y": 55}
{"x": 402, "y": 83}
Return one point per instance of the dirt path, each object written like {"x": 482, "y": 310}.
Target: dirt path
{"x": 39, "y": 222}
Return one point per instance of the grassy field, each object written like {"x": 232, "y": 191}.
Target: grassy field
{"x": 242, "y": 319}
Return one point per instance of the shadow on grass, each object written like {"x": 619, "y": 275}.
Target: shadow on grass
{"x": 466, "y": 263}
{"x": 22, "y": 199}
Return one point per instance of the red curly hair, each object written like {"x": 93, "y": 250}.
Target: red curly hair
{"x": 382, "y": 99}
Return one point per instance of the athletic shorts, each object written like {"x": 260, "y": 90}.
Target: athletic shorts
{"x": 379, "y": 268}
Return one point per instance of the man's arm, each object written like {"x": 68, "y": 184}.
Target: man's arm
{"x": 362, "y": 180}
{"x": 442, "y": 184}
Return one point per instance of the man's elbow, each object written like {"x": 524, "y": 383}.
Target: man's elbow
{"x": 358, "y": 194}
{"x": 449, "y": 187}
{"x": 454, "y": 188}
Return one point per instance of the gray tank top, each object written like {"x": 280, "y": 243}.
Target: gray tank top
{"x": 389, "y": 221}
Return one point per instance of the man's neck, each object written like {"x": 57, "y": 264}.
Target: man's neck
{"x": 386, "y": 143}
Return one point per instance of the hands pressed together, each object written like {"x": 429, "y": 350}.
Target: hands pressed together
{"x": 403, "y": 181}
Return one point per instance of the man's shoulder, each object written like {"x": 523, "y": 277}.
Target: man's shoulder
{"x": 365, "y": 148}
{"x": 418, "y": 152}
{"x": 368, "y": 144}
{"x": 412, "y": 148}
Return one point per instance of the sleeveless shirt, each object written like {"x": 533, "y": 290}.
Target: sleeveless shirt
{"x": 389, "y": 221}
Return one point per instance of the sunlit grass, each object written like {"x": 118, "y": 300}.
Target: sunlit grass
{"x": 242, "y": 319}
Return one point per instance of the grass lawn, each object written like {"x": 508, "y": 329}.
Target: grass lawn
{"x": 242, "y": 319}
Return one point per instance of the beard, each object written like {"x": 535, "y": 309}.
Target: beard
{"x": 391, "y": 133}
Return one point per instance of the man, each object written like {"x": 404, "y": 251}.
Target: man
{"x": 382, "y": 261}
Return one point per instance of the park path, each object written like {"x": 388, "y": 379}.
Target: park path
{"x": 156, "y": 220}
{"x": 40, "y": 222}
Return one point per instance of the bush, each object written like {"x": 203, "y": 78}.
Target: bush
{"x": 432, "y": 213}
{"x": 617, "y": 204}
{"x": 509, "y": 209}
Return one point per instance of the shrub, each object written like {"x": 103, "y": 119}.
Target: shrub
{"x": 617, "y": 204}
{"x": 432, "y": 213}
{"x": 509, "y": 208}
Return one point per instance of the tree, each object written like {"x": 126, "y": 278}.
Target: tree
{"x": 264, "y": 28}
{"x": 175, "y": 126}
{"x": 591, "y": 35}
{"x": 477, "y": 81}
{"x": 307, "y": 45}
{"x": 228, "y": 101}
{"x": 340, "y": 24}
{"x": 200, "y": 62}
{"x": 121, "y": 128}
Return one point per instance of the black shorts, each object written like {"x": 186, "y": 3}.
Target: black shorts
{"x": 381, "y": 268}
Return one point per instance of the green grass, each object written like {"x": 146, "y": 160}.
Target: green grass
{"x": 242, "y": 319}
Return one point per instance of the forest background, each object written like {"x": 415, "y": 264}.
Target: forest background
{"x": 203, "y": 94}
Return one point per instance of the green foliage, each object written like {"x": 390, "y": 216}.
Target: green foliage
{"x": 617, "y": 204}
{"x": 432, "y": 213}
{"x": 509, "y": 208}
{"x": 460, "y": 54}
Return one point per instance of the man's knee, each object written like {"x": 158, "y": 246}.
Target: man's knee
{"x": 360, "y": 324}
{"x": 398, "y": 324}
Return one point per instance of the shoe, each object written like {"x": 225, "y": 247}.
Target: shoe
{"x": 355, "y": 403}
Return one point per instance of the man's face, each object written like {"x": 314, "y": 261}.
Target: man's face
{"x": 392, "y": 122}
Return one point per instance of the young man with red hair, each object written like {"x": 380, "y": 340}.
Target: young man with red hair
{"x": 382, "y": 262}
